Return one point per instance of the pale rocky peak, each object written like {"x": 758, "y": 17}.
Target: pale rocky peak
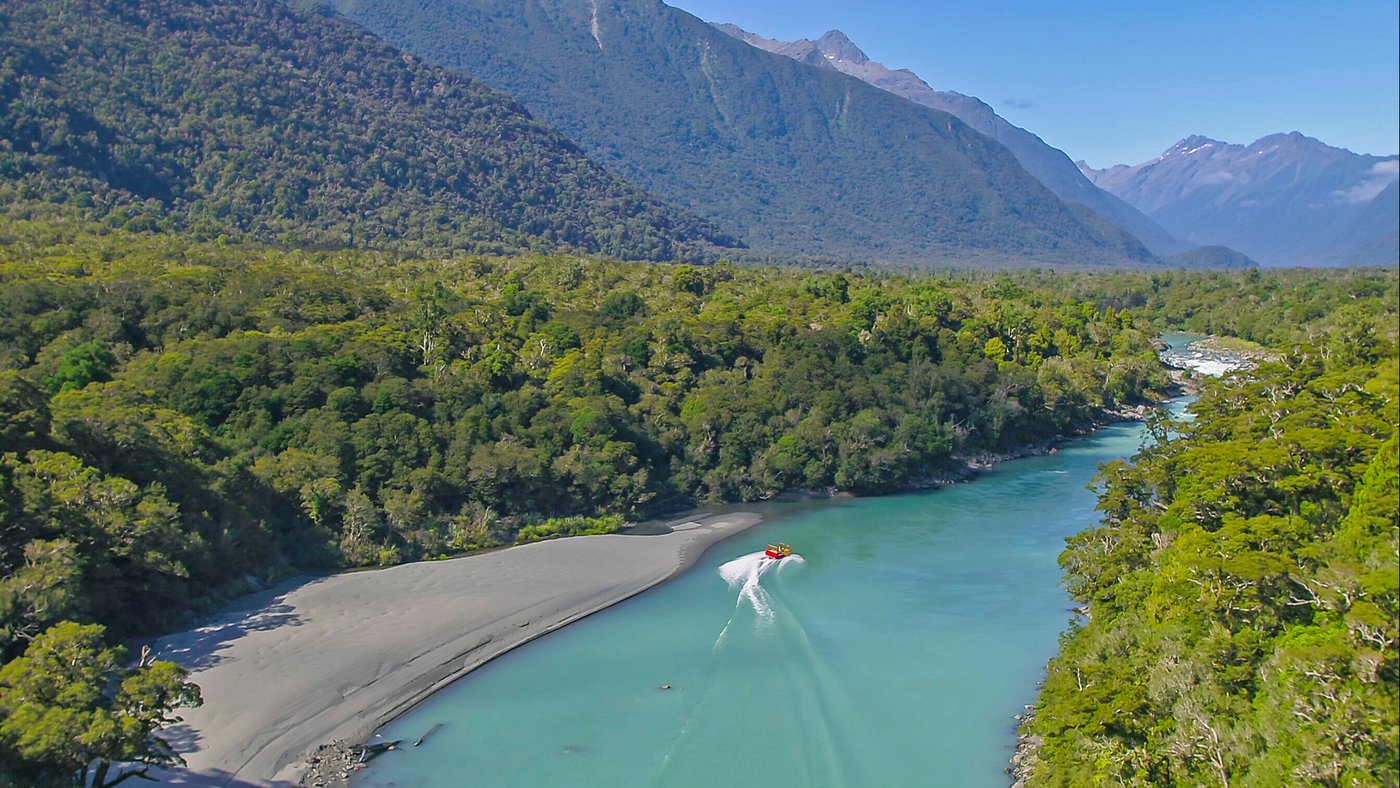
{"x": 837, "y": 45}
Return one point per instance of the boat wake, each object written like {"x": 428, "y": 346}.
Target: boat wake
{"x": 763, "y": 667}
{"x": 743, "y": 573}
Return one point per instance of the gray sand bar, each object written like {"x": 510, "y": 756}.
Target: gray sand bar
{"x": 337, "y": 657}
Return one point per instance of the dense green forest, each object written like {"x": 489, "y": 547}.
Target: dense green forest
{"x": 250, "y": 409}
{"x": 1242, "y": 591}
{"x": 792, "y": 159}
{"x": 1278, "y": 308}
{"x": 246, "y": 409}
{"x": 249, "y": 119}
{"x": 278, "y": 298}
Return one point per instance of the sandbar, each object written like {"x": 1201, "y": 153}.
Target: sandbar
{"x": 335, "y": 658}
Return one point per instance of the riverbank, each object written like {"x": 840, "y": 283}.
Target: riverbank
{"x": 903, "y": 641}
{"x": 334, "y": 658}
{"x": 1201, "y": 359}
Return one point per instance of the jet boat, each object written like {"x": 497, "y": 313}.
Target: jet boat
{"x": 776, "y": 551}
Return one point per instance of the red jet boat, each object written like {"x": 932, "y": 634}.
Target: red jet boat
{"x": 776, "y": 551}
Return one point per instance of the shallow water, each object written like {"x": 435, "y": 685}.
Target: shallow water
{"x": 892, "y": 650}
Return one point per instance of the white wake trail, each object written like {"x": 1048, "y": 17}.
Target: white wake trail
{"x": 743, "y": 574}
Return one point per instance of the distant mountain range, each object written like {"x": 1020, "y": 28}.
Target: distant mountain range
{"x": 1286, "y": 199}
{"x": 794, "y": 160}
{"x": 1050, "y": 165}
{"x": 246, "y": 118}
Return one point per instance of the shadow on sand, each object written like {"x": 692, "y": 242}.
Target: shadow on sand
{"x": 199, "y": 648}
{"x": 212, "y": 778}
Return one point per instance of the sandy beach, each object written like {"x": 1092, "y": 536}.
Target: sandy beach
{"x": 334, "y": 658}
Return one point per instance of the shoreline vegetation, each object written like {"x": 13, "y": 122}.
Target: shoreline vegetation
{"x": 184, "y": 420}
{"x": 1217, "y": 355}
{"x": 1243, "y": 579}
{"x": 329, "y": 759}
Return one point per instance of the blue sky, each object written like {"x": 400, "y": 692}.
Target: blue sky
{"x": 1120, "y": 82}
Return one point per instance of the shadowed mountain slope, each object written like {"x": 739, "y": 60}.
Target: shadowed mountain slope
{"x": 1048, "y": 164}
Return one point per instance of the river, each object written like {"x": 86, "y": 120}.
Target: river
{"x": 893, "y": 649}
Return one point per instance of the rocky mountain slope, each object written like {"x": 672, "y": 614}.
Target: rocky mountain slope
{"x": 1286, "y": 199}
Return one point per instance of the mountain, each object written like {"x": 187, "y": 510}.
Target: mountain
{"x": 246, "y": 118}
{"x": 1211, "y": 257}
{"x": 1049, "y": 165}
{"x": 1286, "y": 199}
{"x": 795, "y": 160}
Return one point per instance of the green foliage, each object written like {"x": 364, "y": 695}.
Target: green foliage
{"x": 569, "y": 526}
{"x": 235, "y": 120}
{"x": 622, "y": 306}
{"x": 1275, "y": 308}
{"x": 270, "y": 409}
{"x": 1242, "y": 590}
{"x": 90, "y": 362}
{"x": 24, "y": 412}
{"x": 88, "y": 541}
{"x": 70, "y": 708}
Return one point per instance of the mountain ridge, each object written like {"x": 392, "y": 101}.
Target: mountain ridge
{"x": 253, "y": 119}
{"x": 1052, "y": 167}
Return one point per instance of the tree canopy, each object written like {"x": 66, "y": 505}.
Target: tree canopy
{"x": 1242, "y": 591}
{"x": 71, "y": 709}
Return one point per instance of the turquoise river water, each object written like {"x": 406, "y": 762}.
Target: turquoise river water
{"x": 893, "y": 649}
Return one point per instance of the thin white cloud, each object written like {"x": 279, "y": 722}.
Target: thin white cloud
{"x": 1371, "y": 184}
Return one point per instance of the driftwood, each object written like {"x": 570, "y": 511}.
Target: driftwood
{"x": 425, "y": 736}
{"x": 369, "y": 752}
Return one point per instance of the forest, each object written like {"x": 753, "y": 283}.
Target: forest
{"x": 183, "y": 420}
{"x": 1240, "y": 596}
{"x": 277, "y": 298}
{"x": 251, "y": 120}
{"x": 792, "y": 160}
{"x": 253, "y": 409}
